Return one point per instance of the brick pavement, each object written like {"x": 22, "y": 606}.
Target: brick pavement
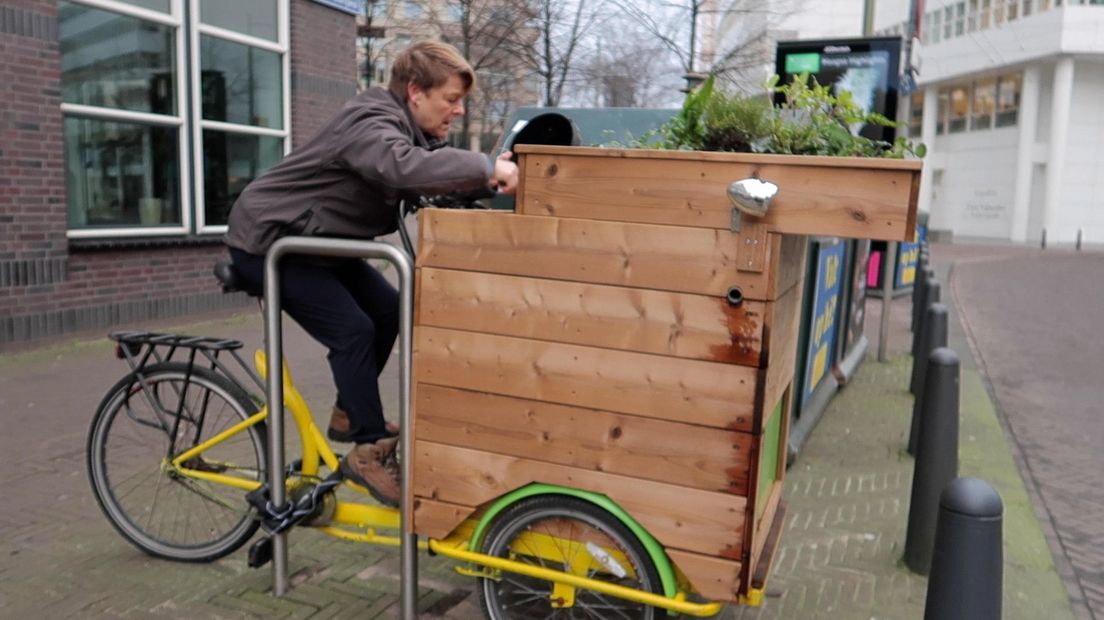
{"x": 840, "y": 558}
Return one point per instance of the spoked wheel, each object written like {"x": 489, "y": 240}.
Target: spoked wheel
{"x": 570, "y": 535}
{"x": 131, "y": 440}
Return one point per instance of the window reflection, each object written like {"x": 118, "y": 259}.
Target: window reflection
{"x": 916, "y": 114}
{"x": 1008, "y": 100}
{"x": 985, "y": 97}
{"x": 121, "y": 174}
{"x": 959, "y": 105}
{"x": 241, "y": 84}
{"x": 230, "y": 162}
{"x": 253, "y": 17}
{"x": 942, "y": 110}
{"x": 114, "y": 61}
{"x": 155, "y": 5}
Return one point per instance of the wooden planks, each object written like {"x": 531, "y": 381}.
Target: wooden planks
{"x": 663, "y": 258}
{"x": 762, "y": 528}
{"x": 781, "y": 336}
{"x": 714, "y": 578}
{"x": 691, "y": 391}
{"x": 438, "y": 519}
{"x": 846, "y": 197}
{"x": 687, "y": 519}
{"x": 687, "y": 455}
{"x": 602, "y": 355}
{"x": 628, "y": 319}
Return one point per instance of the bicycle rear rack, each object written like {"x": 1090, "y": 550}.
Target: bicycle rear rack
{"x": 138, "y": 348}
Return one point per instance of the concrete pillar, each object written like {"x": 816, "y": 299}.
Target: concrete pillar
{"x": 1059, "y": 137}
{"x": 1029, "y": 122}
{"x": 927, "y": 136}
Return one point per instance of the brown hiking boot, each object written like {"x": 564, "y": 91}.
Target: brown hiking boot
{"x": 341, "y": 429}
{"x": 373, "y": 466}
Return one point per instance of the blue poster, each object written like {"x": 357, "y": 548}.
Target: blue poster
{"x": 822, "y": 329}
{"x": 908, "y": 256}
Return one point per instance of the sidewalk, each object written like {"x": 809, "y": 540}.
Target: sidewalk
{"x": 849, "y": 491}
{"x": 840, "y": 558}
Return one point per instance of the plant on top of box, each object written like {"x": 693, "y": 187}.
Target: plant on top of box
{"x": 810, "y": 121}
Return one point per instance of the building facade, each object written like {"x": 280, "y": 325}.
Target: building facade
{"x": 1009, "y": 106}
{"x": 127, "y": 130}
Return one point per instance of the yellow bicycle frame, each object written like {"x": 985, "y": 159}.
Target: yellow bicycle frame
{"x": 316, "y": 451}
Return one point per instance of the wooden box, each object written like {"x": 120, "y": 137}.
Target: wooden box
{"x": 587, "y": 340}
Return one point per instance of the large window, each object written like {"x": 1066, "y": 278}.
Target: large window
{"x": 944, "y": 105}
{"x": 985, "y": 98}
{"x": 137, "y": 75}
{"x": 1008, "y": 100}
{"x": 916, "y": 114}
{"x": 936, "y": 26}
{"x": 960, "y": 109}
{"x": 984, "y": 104}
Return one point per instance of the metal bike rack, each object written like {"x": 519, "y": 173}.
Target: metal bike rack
{"x": 348, "y": 248}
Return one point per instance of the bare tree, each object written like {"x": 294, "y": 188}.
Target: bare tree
{"x": 370, "y": 36}
{"x": 673, "y": 24}
{"x": 561, "y": 27}
{"x": 628, "y": 69}
{"x": 739, "y": 33}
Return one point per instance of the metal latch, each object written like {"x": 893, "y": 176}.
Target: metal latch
{"x": 751, "y": 196}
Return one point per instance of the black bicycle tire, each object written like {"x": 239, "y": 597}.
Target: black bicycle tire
{"x": 532, "y": 509}
{"x": 242, "y": 531}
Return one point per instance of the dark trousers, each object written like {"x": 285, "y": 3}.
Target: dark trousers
{"x": 353, "y": 311}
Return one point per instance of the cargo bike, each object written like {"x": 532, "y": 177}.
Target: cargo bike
{"x": 593, "y": 396}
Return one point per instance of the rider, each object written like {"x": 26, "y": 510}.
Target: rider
{"x": 385, "y": 145}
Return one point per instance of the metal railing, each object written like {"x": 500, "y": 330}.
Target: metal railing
{"x": 348, "y": 248}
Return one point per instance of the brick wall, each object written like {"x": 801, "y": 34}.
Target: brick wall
{"x": 51, "y": 286}
{"x": 32, "y": 175}
{"x": 323, "y": 65}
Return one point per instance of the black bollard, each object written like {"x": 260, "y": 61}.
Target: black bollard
{"x": 932, "y": 294}
{"x": 936, "y": 456}
{"x": 967, "y": 564}
{"x": 918, "y": 291}
{"x": 933, "y": 334}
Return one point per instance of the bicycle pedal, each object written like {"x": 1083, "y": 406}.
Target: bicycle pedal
{"x": 260, "y": 552}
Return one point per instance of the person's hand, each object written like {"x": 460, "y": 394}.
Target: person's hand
{"x": 505, "y": 178}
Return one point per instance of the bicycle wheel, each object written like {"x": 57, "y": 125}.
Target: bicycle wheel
{"x": 559, "y": 533}
{"x": 160, "y": 512}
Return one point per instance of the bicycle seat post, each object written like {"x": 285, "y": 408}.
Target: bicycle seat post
{"x": 350, "y": 248}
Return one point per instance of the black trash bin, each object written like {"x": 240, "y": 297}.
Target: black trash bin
{"x": 548, "y": 129}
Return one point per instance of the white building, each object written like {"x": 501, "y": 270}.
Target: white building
{"x": 1011, "y": 107}
{"x": 741, "y": 34}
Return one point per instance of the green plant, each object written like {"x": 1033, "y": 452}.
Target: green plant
{"x": 687, "y": 129}
{"x": 738, "y": 124}
{"x": 809, "y": 121}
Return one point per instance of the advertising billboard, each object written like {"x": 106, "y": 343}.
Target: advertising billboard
{"x": 869, "y": 68}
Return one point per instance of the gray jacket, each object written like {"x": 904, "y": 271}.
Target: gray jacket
{"x": 347, "y": 180}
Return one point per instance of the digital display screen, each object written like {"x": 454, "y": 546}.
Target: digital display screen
{"x": 868, "y": 68}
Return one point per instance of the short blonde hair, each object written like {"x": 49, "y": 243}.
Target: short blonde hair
{"x": 428, "y": 64}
